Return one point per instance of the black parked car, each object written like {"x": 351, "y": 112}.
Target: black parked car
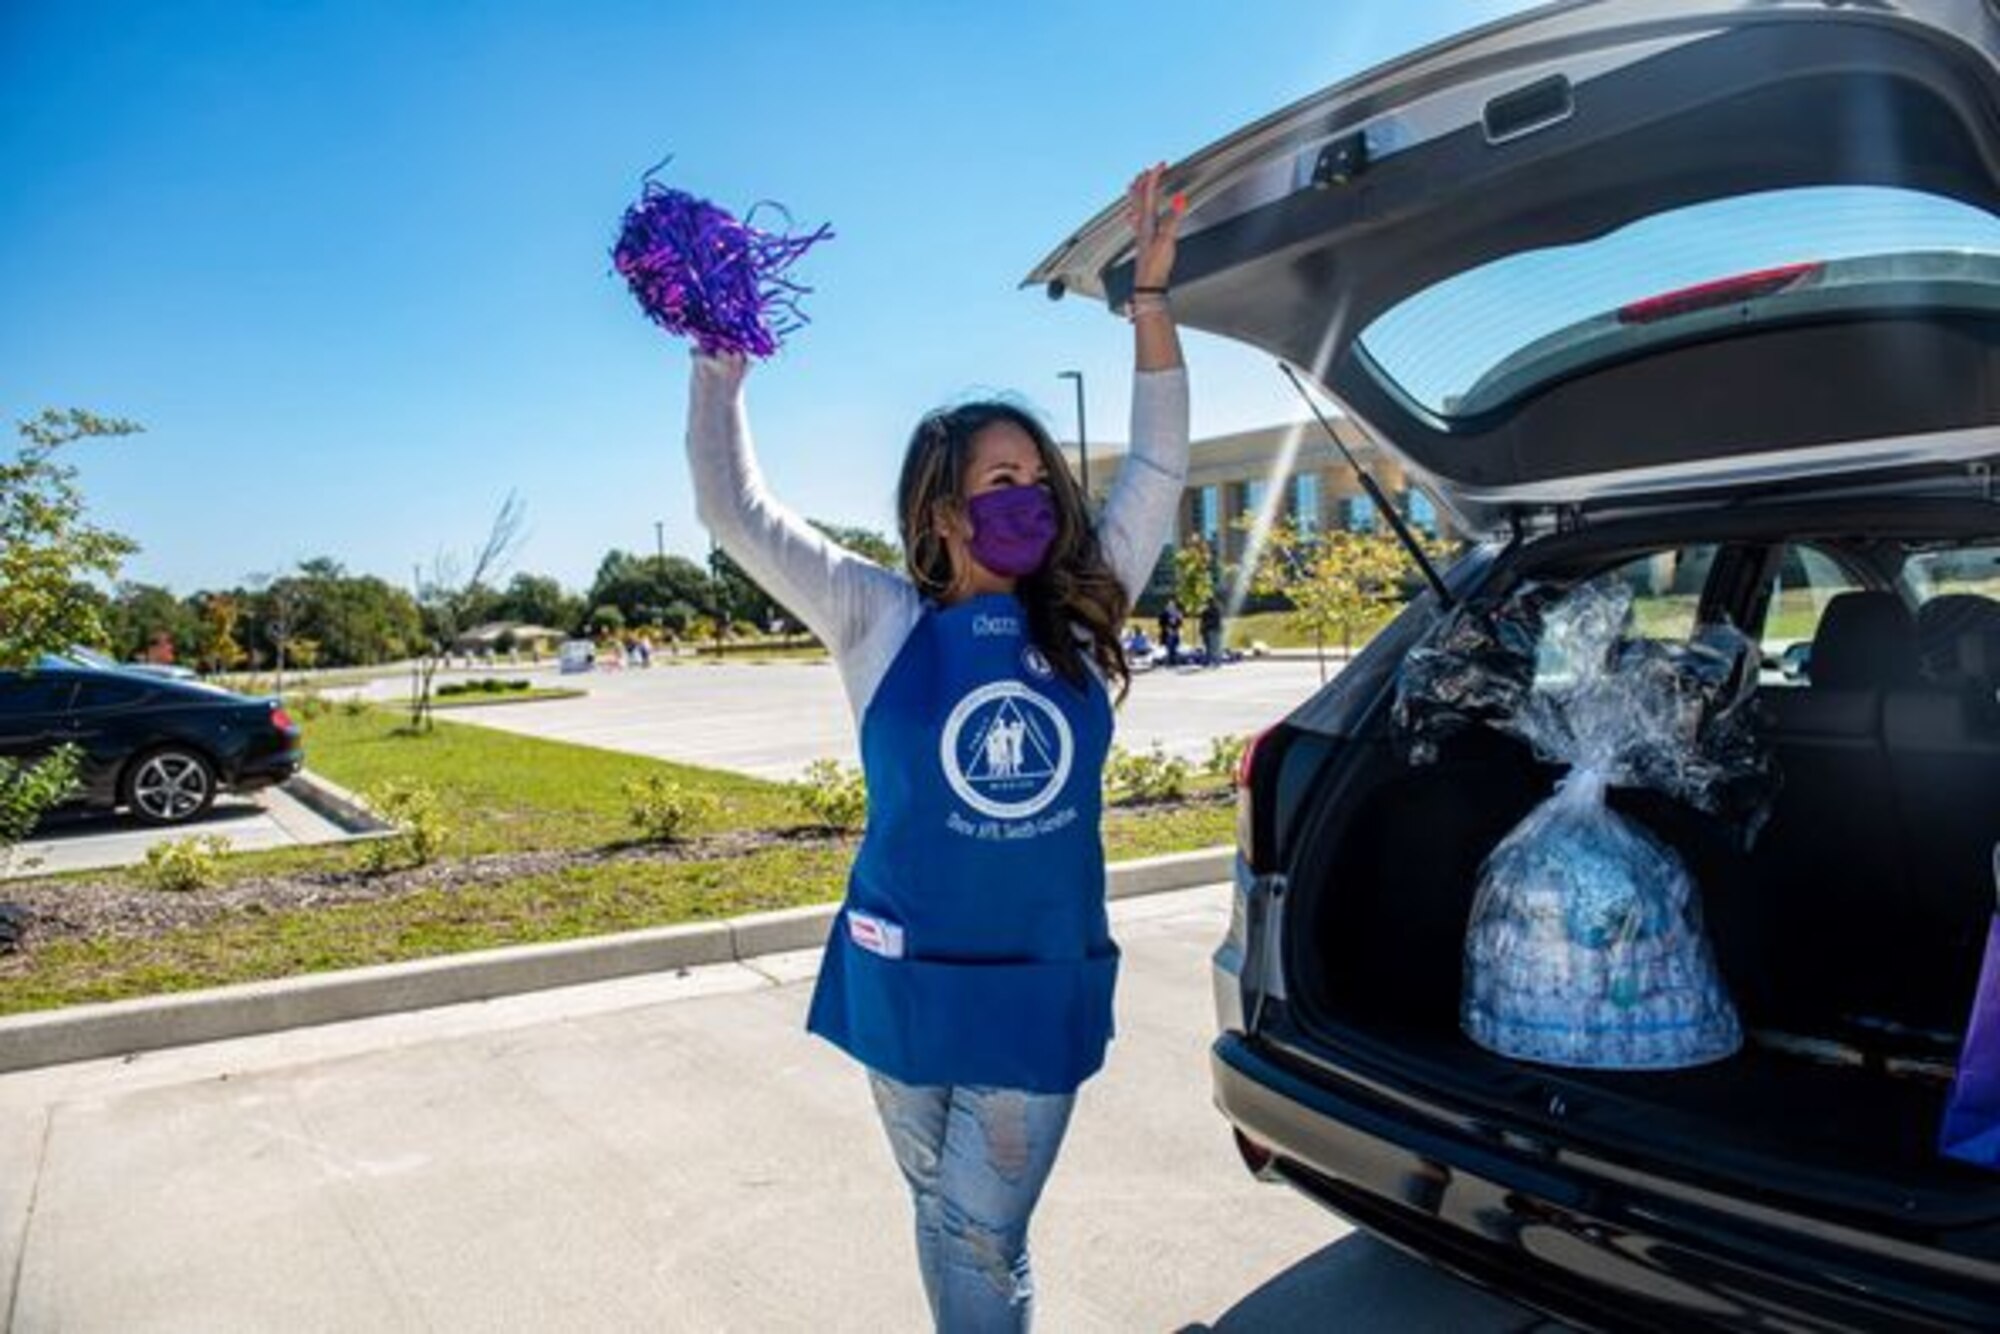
{"x": 161, "y": 749}
{"x": 1702, "y": 296}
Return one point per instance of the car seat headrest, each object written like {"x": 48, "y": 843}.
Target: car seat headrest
{"x": 1866, "y": 641}
{"x": 1958, "y": 639}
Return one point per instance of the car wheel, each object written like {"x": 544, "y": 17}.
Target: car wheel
{"x": 170, "y": 785}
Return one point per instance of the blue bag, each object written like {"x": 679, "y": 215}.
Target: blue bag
{"x": 1971, "y": 1130}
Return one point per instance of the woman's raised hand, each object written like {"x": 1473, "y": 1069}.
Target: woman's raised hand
{"x": 1155, "y": 225}
{"x": 727, "y": 368}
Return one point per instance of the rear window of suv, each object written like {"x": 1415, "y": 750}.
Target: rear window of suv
{"x": 1485, "y": 337}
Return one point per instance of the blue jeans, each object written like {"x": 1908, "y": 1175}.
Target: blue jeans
{"x": 976, "y": 1159}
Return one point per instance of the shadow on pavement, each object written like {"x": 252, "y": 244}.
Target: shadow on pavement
{"x": 1361, "y": 1286}
{"x": 63, "y": 826}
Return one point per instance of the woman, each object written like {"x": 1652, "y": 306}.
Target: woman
{"x": 971, "y": 967}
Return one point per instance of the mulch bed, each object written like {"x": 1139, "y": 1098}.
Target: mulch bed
{"x": 99, "y": 909}
{"x": 102, "y": 909}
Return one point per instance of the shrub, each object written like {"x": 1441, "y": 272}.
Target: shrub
{"x": 412, "y": 810}
{"x": 1154, "y": 776}
{"x": 484, "y": 685}
{"x": 662, "y": 809}
{"x": 1224, "y": 754}
{"x": 183, "y": 865}
{"x": 832, "y": 794}
{"x": 308, "y": 704}
{"x": 27, "y": 791}
{"x": 354, "y": 706}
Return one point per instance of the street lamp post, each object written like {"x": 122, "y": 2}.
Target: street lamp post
{"x": 1082, "y": 446}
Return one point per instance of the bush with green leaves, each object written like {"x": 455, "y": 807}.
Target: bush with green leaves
{"x": 412, "y": 810}
{"x": 308, "y": 704}
{"x": 1224, "y": 754}
{"x": 30, "y": 790}
{"x": 832, "y": 794}
{"x": 1154, "y": 776}
{"x": 483, "y": 685}
{"x": 663, "y": 810}
{"x": 184, "y": 865}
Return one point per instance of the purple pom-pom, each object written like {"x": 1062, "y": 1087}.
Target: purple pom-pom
{"x": 700, "y": 273}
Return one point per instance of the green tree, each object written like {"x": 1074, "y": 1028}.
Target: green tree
{"x": 538, "y": 599}
{"x": 142, "y": 616}
{"x": 1194, "y": 575}
{"x": 218, "y": 649}
{"x": 47, "y": 544}
{"x": 642, "y": 587}
{"x": 863, "y": 541}
{"x": 49, "y": 550}
{"x": 1339, "y": 583}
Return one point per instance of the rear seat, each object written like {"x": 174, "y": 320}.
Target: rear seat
{"x": 1828, "y": 870}
{"x": 1943, "y": 743}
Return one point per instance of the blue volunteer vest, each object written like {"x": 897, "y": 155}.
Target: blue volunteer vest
{"x": 973, "y": 946}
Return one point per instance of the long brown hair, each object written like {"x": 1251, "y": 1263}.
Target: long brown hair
{"x": 1073, "y": 590}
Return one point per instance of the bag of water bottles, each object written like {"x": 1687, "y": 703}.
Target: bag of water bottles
{"x": 1584, "y": 945}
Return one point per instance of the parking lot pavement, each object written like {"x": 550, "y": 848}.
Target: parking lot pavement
{"x": 661, "y": 1153}
{"x": 78, "y": 840}
{"x": 772, "y": 719}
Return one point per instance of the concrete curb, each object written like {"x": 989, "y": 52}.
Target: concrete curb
{"x": 117, "y": 1028}
{"x": 333, "y": 802}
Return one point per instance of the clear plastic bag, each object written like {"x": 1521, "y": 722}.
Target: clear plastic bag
{"x": 1584, "y": 945}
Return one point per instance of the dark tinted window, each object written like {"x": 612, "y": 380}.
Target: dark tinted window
{"x": 108, "y": 694}
{"x": 33, "y": 692}
{"x": 1488, "y": 335}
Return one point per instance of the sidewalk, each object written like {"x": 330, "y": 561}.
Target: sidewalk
{"x": 663, "y": 1152}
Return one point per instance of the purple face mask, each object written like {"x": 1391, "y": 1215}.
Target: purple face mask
{"x": 1012, "y": 528}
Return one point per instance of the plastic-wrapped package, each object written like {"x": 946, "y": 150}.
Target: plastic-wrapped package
{"x": 1584, "y": 946}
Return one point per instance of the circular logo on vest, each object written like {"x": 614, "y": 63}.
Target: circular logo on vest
{"x": 1037, "y": 665}
{"x": 1006, "y": 751}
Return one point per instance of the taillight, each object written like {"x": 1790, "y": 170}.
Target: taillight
{"x": 1721, "y": 292}
{"x": 282, "y": 720}
{"x": 1246, "y": 823}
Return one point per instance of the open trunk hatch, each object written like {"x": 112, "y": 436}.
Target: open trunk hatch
{"x": 1625, "y": 249}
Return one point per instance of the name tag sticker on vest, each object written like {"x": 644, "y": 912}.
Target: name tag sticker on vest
{"x": 875, "y": 935}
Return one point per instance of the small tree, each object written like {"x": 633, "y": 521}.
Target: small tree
{"x": 452, "y": 599}
{"x": 219, "y": 651}
{"x": 1337, "y": 582}
{"x": 1194, "y": 575}
{"x": 282, "y": 598}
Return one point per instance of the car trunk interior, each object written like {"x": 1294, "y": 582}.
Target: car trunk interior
{"x": 1849, "y": 932}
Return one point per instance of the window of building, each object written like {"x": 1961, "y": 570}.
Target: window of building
{"x": 1422, "y": 514}
{"x": 1208, "y": 514}
{"x": 1305, "y": 502}
{"x": 1357, "y": 514}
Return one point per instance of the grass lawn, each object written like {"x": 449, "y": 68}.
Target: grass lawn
{"x": 502, "y": 794}
{"x": 1275, "y": 629}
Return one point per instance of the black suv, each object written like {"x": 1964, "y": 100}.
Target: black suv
{"x": 1703, "y": 297}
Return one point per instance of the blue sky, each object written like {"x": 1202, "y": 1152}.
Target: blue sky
{"x": 348, "y": 264}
